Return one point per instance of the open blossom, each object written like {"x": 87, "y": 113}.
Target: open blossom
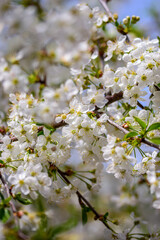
{"x": 78, "y": 103}
{"x": 95, "y": 97}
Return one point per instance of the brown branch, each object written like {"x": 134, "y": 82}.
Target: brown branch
{"x": 144, "y": 140}
{"x": 140, "y": 105}
{"x": 113, "y": 98}
{"x": 104, "y": 4}
{"x": 125, "y": 131}
{"x": 59, "y": 124}
{"x": 82, "y": 198}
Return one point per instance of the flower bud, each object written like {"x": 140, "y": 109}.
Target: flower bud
{"x": 125, "y": 21}
{"x": 115, "y": 16}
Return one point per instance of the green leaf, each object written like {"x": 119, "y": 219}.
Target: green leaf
{"x": 24, "y": 201}
{"x": 1, "y": 196}
{"x": 155, "y": 140}
{"x": 32, "y": 78}
{"x": 7, "y": 200}
{"x": 4, "y": 214}
{"x": 141, "y": 123}
{"x": 52, "y": 129}
{"x": 40, "y": 133}
{"x": 154, "y": 126}
{"x": 1, "y": 213}
{"x": 85, "y": 210}
{"x": 105, "y": 215}
{"x": 84, "y": 216}
{"x": 130, "y": 134}
{"x": 158, "y": 40}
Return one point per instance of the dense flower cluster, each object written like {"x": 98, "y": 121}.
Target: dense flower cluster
{"x": 64, "y": 87}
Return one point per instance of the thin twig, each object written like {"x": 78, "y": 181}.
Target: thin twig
{"x": 113, "y": 98}
{"x": 116, "y": 125}
{"x": 104, "y": 4}
{"x": 140, "y": 105}
{"x": 144, "y": 140}
{"x": 110, "y": 15}
{"x": 125, "y": 131}
{"x": 81, "y": 197}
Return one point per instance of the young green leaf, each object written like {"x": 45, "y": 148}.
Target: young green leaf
{"x": 1, "y": 196}
{"x": 155, "y": 140}
{"x": 4, "y": 214}
{"x": 141, "y": 123}
{"x": 40, "y": 133}
{"x": 84, "y": 216}
{"x": 7, "y": 200}
{"x": 85, "y": 210}
{"x": 105, "y": 215}
{"x": 24, "y": 201}
{"x": 130, "y": 134}
{"x": 154, "y": 126}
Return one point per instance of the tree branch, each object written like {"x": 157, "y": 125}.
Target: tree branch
{"x": 82, "y": 198}
{"x": 125, "y": 131}
{"x": 110, "y": 15}
{"x": 104, "y": 4}
{"x": 140, "y": 105}
{"x": 113, "y": 98}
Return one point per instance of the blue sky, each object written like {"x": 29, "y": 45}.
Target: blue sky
{"x": 131, "y": 7}
{"x": 138, "y": 8}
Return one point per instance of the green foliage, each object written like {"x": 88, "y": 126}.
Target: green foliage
{"x": 4, "y": 211}
{"x": 142, "y": 124}
{"x": 85, "y": 210}
{"x": 105, "y": 216}
{"x": 158, "y": 40}
{"x": 130, "y": 135}
{"x": 24, "y": 201}
{"x": 155, "y": 140}
{"x": 33, "y": 78}
{"x": 4, "y": 214}
{"x": 52, "y": 129}
{"x": 40, "y": 133}
{"x": 154, "y": 126}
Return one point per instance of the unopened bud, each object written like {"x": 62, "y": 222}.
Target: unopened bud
{"x": 115, "y": 16}
{"x": 124, "y": 144}
{"x": 134, "y": 19}
{"x": 125, "y": 125}
{"x": 137, "y": 18}
{"x": 19, "y": 214}
{"x": 128, "y": 18}
{"x": 125, "y": 21}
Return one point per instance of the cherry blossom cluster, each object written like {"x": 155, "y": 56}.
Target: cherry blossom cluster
{"x": 67, "y": 87}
